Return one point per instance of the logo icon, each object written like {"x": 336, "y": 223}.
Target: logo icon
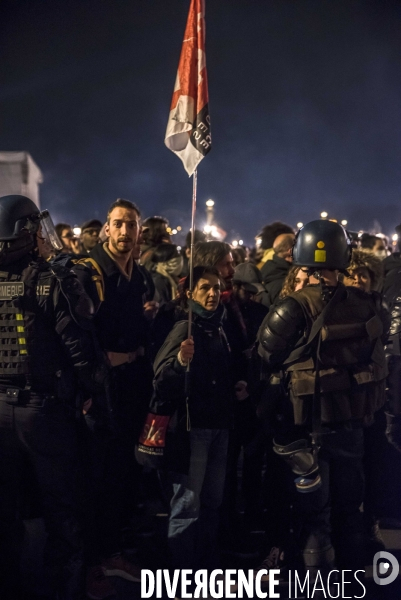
{"x": 385, "y": 571}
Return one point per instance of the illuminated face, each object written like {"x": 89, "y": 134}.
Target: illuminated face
{"x": 67, "y": 236}
{"x": 122, "y": 230}
{"x": 225, "y": 267}
{"x": 207, "y": 292}
{"x": 301, "y": 280}
{"x": 360, "y": 278}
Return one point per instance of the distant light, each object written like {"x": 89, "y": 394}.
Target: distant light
{"x": 241, "y": 242}
{"x": 258, "y": 241}
{"x": 324, "y": 214}
{"x": 179, "y": 248}
{"x": 174, "y": 231}
{"x": 168, "y": 229}
{"x": 210, "y": 203}
{"x": 344, "y": 222}
{"x": 395, "y": 237}
{"x": 360, "y": 234}
{"x": 234, "y": 243}
{"x": 179, "y": 228}
{"x": 77, "y": 230}
{"x": 299, "y": 225}
{"x": 207, "y": 229}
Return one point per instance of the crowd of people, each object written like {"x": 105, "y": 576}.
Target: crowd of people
{"x": 284, "y": 358}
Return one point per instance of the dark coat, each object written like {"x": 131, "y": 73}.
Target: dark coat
{"x": 211, "y": 380}
{"x": 274, "y": 272}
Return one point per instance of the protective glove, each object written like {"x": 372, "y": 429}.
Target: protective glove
{"x": 393, "y": 430}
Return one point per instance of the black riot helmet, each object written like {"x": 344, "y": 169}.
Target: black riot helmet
{"x": 20, "y": 220}
{"x": 322, "y": 244}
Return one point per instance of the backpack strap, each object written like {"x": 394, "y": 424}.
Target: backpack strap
{"x": 97, "y": 275}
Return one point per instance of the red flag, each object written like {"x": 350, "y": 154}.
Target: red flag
{"x": 188, "y": 127}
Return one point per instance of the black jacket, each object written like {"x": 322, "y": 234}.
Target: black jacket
{"x": 120, "y": 322}
{"x": 211, "y": 378}
{"x": 274, "y": 272}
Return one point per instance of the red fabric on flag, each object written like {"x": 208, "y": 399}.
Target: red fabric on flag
{"x": 188, "y": 127}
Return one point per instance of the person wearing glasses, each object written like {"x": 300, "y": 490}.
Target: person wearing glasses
{"x": 90, "y": 231}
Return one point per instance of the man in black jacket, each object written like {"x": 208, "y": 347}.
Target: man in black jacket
{"x": 275, "y": 271}
{"x": 122, "y": 328}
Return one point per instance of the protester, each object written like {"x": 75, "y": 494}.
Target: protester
{"x": 154, "y": 232}
{"x": 90, "y": 231}
{"x": 274, "y": 271}
{"x": 296, "y": 279}
{"x": 267, "y": 236}
{"x": 167, "y": 266}
{"x": 66, "y": 236}
{"x": 122, "y": 330}
{"x": 198, "y": 487}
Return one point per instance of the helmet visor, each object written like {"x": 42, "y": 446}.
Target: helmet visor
{"x": 49, "y": 231}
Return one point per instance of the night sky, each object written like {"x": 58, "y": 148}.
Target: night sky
{"x": 304, "y": 98}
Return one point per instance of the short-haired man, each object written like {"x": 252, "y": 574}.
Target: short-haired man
{"x": 90, "y": 235}
{"x": 275, "y": 271}
{"x": 122, "y": 330}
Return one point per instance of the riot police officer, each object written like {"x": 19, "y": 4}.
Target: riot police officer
{"x": 328, "y": 340}
{"x": 46, "y": 348}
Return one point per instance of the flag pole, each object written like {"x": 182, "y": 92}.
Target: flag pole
{"x": 191, "y": 255}
{"x": 191, "y": 285}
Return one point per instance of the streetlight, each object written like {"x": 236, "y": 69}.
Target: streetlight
{"x": 77, "y": 231}
{"x": 324, "y": 214}
{"x": 209, "y": 211}
{"x": 299, "y": 225}
{"x": 395, "y": 237}
{"x": 344, "y": 222}
{"x": 241, "y": 242}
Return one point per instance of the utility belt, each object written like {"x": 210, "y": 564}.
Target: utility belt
{"x": 21, "y": 397}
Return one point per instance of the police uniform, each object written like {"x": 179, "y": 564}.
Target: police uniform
{"x": 328, "y": 342}
{"x": 44, "y": 352}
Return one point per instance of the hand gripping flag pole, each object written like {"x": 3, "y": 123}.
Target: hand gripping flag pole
{"x": 188, "y": 128}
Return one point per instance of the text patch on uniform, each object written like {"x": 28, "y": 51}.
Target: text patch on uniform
{"x": 11, "y": 290}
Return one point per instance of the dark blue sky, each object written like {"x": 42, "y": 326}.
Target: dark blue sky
{"x": 305, "y": 104}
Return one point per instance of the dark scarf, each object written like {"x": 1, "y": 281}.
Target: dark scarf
{"x": 214, "y": 317}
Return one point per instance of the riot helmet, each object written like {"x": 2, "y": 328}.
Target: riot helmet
{"x": 322, "y": 244}
{"x": 20, "y": 221}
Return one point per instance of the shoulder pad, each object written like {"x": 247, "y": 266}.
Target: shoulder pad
{"x": 80, "y": 305}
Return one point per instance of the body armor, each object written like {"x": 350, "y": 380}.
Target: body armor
{"x": 31, "y": 357}
{"x": 350, "y": 359}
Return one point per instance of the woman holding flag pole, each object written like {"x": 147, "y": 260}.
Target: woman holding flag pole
{"x": 195, "y": 357}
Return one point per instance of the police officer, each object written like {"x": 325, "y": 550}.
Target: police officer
{"x": 45, "y": 350}
{"x": 327, "y": 339}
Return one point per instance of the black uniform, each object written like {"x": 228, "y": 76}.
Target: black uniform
{"x": 348, "y": 355}
{"x": 45, "y": 352}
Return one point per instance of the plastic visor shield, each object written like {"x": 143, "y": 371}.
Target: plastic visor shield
{"x": 48, "y": 231}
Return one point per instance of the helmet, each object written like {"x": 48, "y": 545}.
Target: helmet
{"x": 19, "y": 216}
{"x": 20, "y": 220}
{"x": 323, "y": 245}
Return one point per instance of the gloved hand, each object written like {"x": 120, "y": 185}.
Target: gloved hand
{"x": 393, "y": 430}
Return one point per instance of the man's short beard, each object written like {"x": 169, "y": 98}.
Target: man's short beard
{"x": 125, "y": 251}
